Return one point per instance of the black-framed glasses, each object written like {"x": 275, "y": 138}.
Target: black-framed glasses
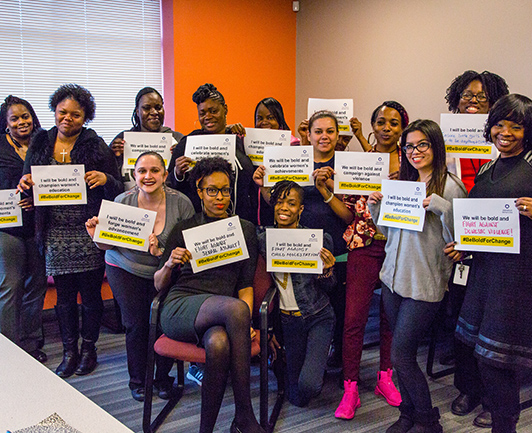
{"x": 213, "y": 192}
{"x": 421, "y": 147}
{"x": 468, "y": 96}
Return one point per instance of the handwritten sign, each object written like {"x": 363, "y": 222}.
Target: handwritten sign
{"x": 341, "y": 108}
{"x": 256, "y": 139}
{"x": 216, "y": 244}
{"x": 59, "y": 185}
{"x": 136, "y": 143}
{"x": 360, "y": 172}
{"x": 294, "y": 250}
{"x": 482, "y": 224}
{"x": 464, "y": 136}
{"x": 124, "y": 226}
{"x": 402, "y": 205}
{"x": 207, "y": 146}
{"x": 10, "y": 211}
{"x": 294, "y": 163}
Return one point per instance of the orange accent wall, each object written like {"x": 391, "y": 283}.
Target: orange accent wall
{"x": 246, "y": 48}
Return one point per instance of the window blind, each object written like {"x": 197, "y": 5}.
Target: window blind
{"x": 113, "y": 48}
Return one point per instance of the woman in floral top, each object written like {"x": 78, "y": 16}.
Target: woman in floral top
{"x": 365, "y": 258}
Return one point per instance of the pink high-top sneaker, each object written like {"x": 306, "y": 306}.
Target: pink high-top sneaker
{"x": 386, "y": 388}
{"x": 350, "y": 401}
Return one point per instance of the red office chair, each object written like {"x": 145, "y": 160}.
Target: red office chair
{"x": 263, "y": 293}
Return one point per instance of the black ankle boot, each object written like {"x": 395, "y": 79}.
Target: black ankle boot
{"x": 427, "y": 422}
{"x": 89, "y": 359}
{"x": 69, "y": 363}
{"x": 405, "y": 421}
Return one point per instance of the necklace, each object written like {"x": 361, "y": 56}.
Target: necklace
{"x": 283, "y": 283}
{"x": 15, "y": 142}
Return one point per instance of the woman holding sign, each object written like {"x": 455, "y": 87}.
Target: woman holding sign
{"x": 73, "y": 260}
{"x": 307, "y": 317}
{"x": 415, "y": 271}
{"x": 202, "y": 307}
{"x": 494, "y": 324}
{"x": 130, "y": 272}
{"x": 148, "y": 116}
{"x": 22, "y": 277}
{"x": 212, "y": 116}
{"x": 364, "y": 261}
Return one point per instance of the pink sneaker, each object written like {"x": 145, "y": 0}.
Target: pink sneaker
{"x": 386, "y": 388}
{"x": 350, "y": 401}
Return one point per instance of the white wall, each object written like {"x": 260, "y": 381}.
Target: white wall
{"x": 408, "y": 50}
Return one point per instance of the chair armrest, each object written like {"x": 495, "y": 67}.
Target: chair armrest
{"x": 156, "y": 305}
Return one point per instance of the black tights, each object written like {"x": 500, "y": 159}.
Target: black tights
{"x": 224, "y": 324}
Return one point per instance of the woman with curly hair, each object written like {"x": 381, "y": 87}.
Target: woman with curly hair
{"x": 76, "y": 264}
{"x": 22, "y": 277}
{"x": 474, "y": 93}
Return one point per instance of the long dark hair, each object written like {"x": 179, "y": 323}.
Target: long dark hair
{"x": 515, "y": 108}
{"x": 13, "y": 100}
{"x": 276, "y": 109}
{"x": 434, "y": 135}
{"x": 135, "y": 116}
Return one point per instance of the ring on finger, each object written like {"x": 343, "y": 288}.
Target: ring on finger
{"x": 524, "y": 208}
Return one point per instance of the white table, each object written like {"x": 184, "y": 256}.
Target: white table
{"x": 30, "y": 392}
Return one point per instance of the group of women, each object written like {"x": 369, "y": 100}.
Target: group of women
{"x": 212, "y": 308}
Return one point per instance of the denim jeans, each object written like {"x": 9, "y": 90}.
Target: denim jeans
{"x": 306, "y": 342}
{"x": 410, "y": 320}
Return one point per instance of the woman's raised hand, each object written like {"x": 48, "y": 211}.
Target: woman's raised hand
{"x": 117, "y": 146}
{"x": 237, "y": 129}
{"x": 375, "y": 197}
{"x": 258, "y": 176}
{"x": 356, "y": 126}
{"x": 95, "y": 178}
{"x": 327, "y": 258}
{"x": 524, "y": 206}
{"x": 25, "y": 183}
{"x": 90, "y": 226}
{"x": 179, "y": 256}
{"x": 182, "y": 164}
{"x": 154, "y": 245}
{"x": 302, "y": 130}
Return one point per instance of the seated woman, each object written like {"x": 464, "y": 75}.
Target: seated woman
{"x": 148, "y": 116}
{"x": 212, "y": 116}
{"x": 130, "y": 272}
{"x": 415, "y": 271}
{"x": 202, "y": 307}
{"x": 307, "y": 317}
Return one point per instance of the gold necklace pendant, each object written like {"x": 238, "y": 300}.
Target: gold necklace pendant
{"x": 283, "y": 283}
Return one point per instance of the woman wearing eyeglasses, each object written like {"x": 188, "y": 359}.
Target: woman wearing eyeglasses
{"x": 474, "y": 93}
{"x": 415, "y": 271}
{"x": 202, "y": 307}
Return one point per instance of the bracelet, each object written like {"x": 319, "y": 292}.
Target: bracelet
{"x": 329, "y": 199}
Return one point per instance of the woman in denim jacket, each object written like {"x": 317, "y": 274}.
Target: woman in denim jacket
{"x": 307, "y": 317}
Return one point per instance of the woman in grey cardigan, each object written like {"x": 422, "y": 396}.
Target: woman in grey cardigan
{"x": 415, "y": 271}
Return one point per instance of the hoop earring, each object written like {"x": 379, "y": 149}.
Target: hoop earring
{"x": 7, "y": 129}
{"x": 232, "y": 208}
{"x": 202, "y": 206}
{"x": 370, "y": 139}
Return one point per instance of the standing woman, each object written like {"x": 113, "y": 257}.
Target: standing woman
{"x": 22, "y": 277}
{"x": 73, "y": 260}
{"x": 212, "y": 116}
{"x": 148, "y": 116}
{"x": 415, "y": 271}
{"x": 494, "y": 323}
{"x": 364, "y": 261}
{"x": 203, "y": 307}
{"x": 130, "y": 272}
{"x": 474, "y": 93}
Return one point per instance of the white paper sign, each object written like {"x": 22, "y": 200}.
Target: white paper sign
{"x": 216, "y": 244}
{"x": 294, "y": 250}
{"x": 482, "y": 224}
{"x": 402, "y": 205}
{"x": 136, "y": 143}
{"x": 59, "y": 185}
{"x": 342, "y": 109}
{"x": 206, "y": 146}
{"x": 360, "y": 172}
{"x": 10, "y": 211}
{"x": 464, "y": 136}
{"x": 257, "y": 138}
{"x": 124, "y": 226}
{"x": 294, "y": 163}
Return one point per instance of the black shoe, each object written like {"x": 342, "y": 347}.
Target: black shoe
{"x": 402, "y": 425}
{"x": 69, "y": 363}
{"x": 447, "y": 359}
{"x": 483, "y": 419}
{"x": 89, "y": 359}
{"x": 165, "y": 390}
{"x": 39, "y": 355}
{"x": 138, "y": 393}
{"x": 464, "y": 404}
